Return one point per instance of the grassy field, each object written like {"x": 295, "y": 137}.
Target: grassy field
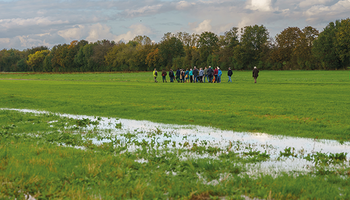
{"x": 312, "y": 104}
{"x": 37, "y": 158}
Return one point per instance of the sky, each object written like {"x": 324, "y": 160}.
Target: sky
{"x": 31, "y": 23}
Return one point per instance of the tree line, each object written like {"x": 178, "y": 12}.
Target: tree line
{"x": 293, "y": 48}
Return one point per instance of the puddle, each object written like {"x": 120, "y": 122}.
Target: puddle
{"x": 219, "y": 138}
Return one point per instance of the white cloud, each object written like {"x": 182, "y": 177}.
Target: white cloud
{"x": 308, "y": 3}
{"x": 322, "y": 12}
{"x": 74, "y": 33}
{"x": 90, "y": 33}
{"x": 99, "y": 32}
{"x": 181, "y": 5}
{"x": 4, "y": 41}
{"x": 25, "y": 41}
{"x": 204, "y": 26}
{"x": 144, "y": 10}
{"x": 52, "y": 22}
{"x": 245, "y": 22}
{"x": 261, "y": 5}
{"x": 136, "y": 29}
{"x": 225, "y": 28}
{"x": 21, "y": 22}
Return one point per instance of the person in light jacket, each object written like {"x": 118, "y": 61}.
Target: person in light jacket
{"x": 219, "y": 75}
{"x": 201, "y": 74}
{"x": 155, "y": 74}
{"x": 191, "y": 75}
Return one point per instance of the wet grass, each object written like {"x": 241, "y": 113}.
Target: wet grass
{"x": 49, "y": 157}
{"x": 312, "y": 104}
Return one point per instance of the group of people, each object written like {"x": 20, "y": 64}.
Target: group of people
{"x": 193, "y": 75}
{"x": 198, "y": 75}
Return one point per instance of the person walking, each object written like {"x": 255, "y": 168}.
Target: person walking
{"x": 155, "y": 74}
{"x": 171, "y": 75}
{"x": 229, "y": 74}
{"x": 191, "y": 75}
{"x": 164, "y": 75}
{"x": 201, "y": 74}
{"x": 205, "y": 74}
{"x": 195, "y": 74}
{"x": 177, "y": 76}
{"x": 210, "y": 74}
{"x": 183, "y": 75}
{"x": 187, "y": 75}
{"x": 255, "y": 73}
{"x": 219, "y": 75}
{"x": 216, "y": 74}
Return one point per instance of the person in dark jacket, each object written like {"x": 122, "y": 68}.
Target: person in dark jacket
{"x": 195, "y": 74}
{"x": 164, "y": 75}
{"x": 229, "y": 74}
{"x": 178, "y": 75}
{"x": 255, "y": 74}
{"x": 210, "y": 73}
{"x": 171, "y": 75}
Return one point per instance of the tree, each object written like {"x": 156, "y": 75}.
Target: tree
{"x": 190, "y": 43}
{"x": 59, "y": 53}
{"x": 35, "y": 61}
{"x": 100, "y": 50}
{"x": 152, "y": 59}
{"x": 325, "y": 49}
{"x": 287, "y": 41}
{"x": 170, "y": 48}
{"x": 227, "y": 43}
{"x": 343, "y": 42}
{"x": 303, "y": 49}
{"x": 9, "y": 60}
{"x": 142, "y": 40}
{"x": 253, "y": 45}
{"x": 207, "y": 45}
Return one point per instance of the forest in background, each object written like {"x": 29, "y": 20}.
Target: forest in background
{"x": 292, "y": 49}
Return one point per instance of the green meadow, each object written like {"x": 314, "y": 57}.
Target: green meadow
{"x": 51, "y": 157}
{"x": 312, "y": 104}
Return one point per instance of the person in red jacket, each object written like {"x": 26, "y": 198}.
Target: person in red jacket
{"x": 216, "y": 71}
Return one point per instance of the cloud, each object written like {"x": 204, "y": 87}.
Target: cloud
{"x": 308, "y": 3}
{"x": 245, "y": 22}
{"x": 204, "y": 26}
{"x": 182, "y": 5}
{"x": 144, "y": 10}
{"x": 261, "y": 5}
{"x": 136, "y": 29}
{"x": 22, "y": 42}
{"x": 22, "y": 22}
{"x": 99, "y": 32}
{"x": 323, "y": 13}
{"x": 74, "y": 33}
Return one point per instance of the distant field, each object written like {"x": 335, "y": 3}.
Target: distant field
{"x": 297, "y": 103}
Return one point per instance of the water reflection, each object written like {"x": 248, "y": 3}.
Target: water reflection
{"x": 221, "y": 138}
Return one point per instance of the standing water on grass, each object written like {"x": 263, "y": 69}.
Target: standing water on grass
{"x": 275, "y": 146}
